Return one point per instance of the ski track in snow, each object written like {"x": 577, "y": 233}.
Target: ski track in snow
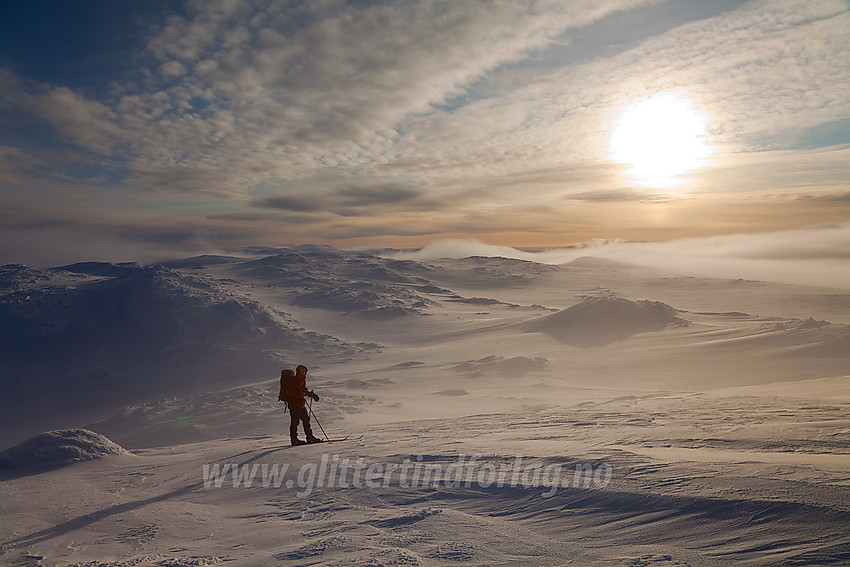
{"x": 721, "y": 408}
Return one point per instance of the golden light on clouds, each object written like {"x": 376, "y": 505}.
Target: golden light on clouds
{"x": 220, "y": 125}
{"x": 660, "y": 138}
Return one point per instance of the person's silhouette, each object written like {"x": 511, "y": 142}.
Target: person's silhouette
{"x": 293, "y": 390}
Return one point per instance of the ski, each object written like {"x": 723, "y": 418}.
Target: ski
{"x": 346, "y": 438}
{"x": 338, "y": 440}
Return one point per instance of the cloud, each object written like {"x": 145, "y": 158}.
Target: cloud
{"x": 755, "y": 71}
{"x": 349, "y": 200}
{"x": 88, "y": 122}
{"x": 302, "y": 203}
{"x": 234, "y": 93}
{"x": 618, "y": 195}
{"x": 816, "y": 255}
{"x": 84, "y": 235}
{"x": 17, "y": 166}
{"x": 828, "y": 198}
{"x": 172, "y": 69}
{"x": 441, "y": 117}
{"x": 464, "y": 248}
{"x": 369, "y": 196}
{"x": 65, "y": 243}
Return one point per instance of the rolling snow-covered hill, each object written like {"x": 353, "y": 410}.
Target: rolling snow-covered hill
{"x": 719, "y": 406}
{"x": 90, "y": 336}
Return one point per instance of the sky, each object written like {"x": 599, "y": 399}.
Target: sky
{"x": 138, "y": 130}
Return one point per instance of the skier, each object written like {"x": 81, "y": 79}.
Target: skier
{"x": 293, "y": 390}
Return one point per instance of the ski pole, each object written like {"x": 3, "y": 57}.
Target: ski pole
{"x": 310, "y": 407}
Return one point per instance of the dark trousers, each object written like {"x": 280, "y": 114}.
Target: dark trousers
{"x": 297, "y": 414}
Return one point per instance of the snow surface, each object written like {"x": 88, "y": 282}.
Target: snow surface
{"x": 712, "y": 412}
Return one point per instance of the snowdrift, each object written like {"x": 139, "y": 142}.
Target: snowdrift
{"x": 55, "y": 449}
{"x": 598, "y": 321}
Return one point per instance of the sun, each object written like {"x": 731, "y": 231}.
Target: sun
{"x": 660, "y": 138}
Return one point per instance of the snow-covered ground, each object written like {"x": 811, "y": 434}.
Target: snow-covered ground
{"x": 511, "y": 413}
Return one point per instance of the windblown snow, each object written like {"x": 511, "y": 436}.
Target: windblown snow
{"x": 511, "y": 412}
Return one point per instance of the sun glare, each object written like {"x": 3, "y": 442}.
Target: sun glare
{"x": 658, "y": 139}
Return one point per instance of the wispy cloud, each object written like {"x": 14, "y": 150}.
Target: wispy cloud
{"x": 756, "y": 72}
{"x": 234, "y": 94}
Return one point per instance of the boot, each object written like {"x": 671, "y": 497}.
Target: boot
{"x": 296, "y": 441}
{"x": 311, "y": 439}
